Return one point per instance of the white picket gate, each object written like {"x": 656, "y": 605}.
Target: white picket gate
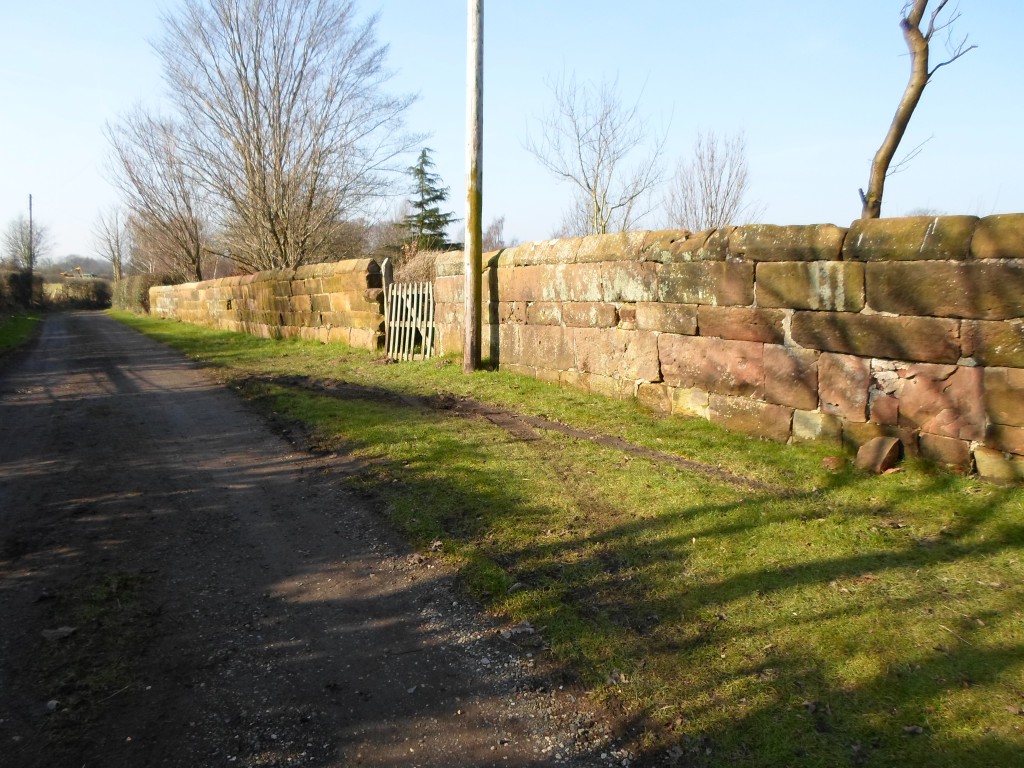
{"x": 408, "y": 320}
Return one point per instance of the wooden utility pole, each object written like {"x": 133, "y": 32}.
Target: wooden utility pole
{"x": 31, "y": 245}
{"x": 473, "y": 257}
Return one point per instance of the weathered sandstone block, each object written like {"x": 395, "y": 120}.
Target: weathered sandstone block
{"x": 586, "y": 314}
{"x": 720, "y": 283}
{"x": 631, "y": 355}
{"x": 544, "y": 312}
{"x": 618, "y": 246}
{"x": 825, "y": 285}
{"x": 994, "y": 343}
{"x": 878, "y": 455}
{"x": 999, "y": 467}
{"x": 752, "y": 417}
{"x": 628, "y": 281}
{"x": 943, "y": 400}
{"x": 1010, "y": 439}
{"x": 540, "y": 346}
{"x": 657, "y": 397}
{"x": 1004, "y": 396}
{"x": 770, "y": 242}
{"x": 670, "y": 246}
{"x": 815, "y": 425}
{"x": 667, "y": 318}
{"x": 843, "y": 383}
{"x": 900, "y": 338}
{"x": 742, "y": 323}
{"x": 999, "y": 237}
{"x": 911, "y": 238}
{"x": 946, "y": 450}
{"x": 791, "y": 376}
{"x": 689, "y": 401}
{"x": 884, "y": 409}
{"x": 714, "y": 365}
{"x": 989, "y": 290}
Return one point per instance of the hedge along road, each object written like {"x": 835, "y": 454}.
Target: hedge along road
{"x": 180, "y": 586}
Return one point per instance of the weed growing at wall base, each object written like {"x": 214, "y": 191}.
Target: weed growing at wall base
{"x": 810, "y": 618}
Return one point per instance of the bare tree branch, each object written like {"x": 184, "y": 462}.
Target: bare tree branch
{"x": 587, "y": 140}
{"x": 709, "y": 190}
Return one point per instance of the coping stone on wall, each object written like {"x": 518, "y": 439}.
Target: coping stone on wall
{"x": 912, "y": 238}
{"x": 999, "y": 237}
{"x": 771, "y": 242}
{"x": 675, "y": 245}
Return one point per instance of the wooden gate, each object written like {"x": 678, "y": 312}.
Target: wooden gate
{"x": 408, "y": 319}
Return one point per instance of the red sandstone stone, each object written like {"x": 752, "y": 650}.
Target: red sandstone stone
{"x": 1004, "y": 396}
{"x": 943, "y": 400}
{"x": 843, "y": 382}
{"x": 791, "y": 376}
{"x": 878, "y": 454}
{"x": 714, "y": 365}
{"x": 946, "y": 450}
{"x": 986, "y": 290}
{"x": 719, "y": 283}
{"x": 741, "y": 323}
{"x": 994, "y": 343}
{"x": 927, "y": 339}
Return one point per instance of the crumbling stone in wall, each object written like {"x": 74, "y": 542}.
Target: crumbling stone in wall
{"x": 994, "y": 343}
{"x": 742, "y": 323}
{"x": 899, "y": 338}
{"x": 999, "y": 237}
{"x": 856, "y": 433}
{"x": 770, "y": 242}
{"x": 989, "y": 290}
{"x": 822, "y": 285}
{"x": 671, "y": 246}
{"x": 943, "y": 400}
{"x": 752, "y": 417}
{"x": 913, "y": 238}
{"x": 715, "y": 365}
{"x": 540, "y": 346}
{"x": 946, "y": 450}
{"x": 843, "y": 383}
{"x": 791, "y": 376}
{"x": 1004, "y": 396}
{"x": 720, "y": 283}
{"x": 589, "y": 315}
{"x": 618, "y": 246}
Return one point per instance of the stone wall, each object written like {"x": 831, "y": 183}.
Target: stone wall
{"x": 338, "y": 301}
{"x": 908, "y": 327}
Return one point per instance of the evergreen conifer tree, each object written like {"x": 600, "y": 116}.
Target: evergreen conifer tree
{"x": 427, "y": 225}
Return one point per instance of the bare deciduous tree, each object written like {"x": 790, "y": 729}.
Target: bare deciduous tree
{"x": 709, "y": 190}
{"x": 588, "y": 139}
{"x": 23, "y": 245}
{"x": 919, "y": 44}
{"x": 112, "y": 240}
{"x": 287, "y": 121}
{"x": 165, "y": 199}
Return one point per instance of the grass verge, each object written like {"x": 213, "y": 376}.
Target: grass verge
{"x": 16, "y": 330}
{"x": 826, "y": 619}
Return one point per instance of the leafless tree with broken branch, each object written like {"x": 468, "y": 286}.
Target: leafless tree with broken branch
{"x": 605, "y": 148}
{"x": 709, "y": 189}
{"x": 287, "y": 120}
{"x": 918, "y": 41}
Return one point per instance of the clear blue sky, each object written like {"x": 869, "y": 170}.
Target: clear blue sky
{"x": 812, "y": 84}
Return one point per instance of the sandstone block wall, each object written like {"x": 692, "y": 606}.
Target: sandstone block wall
{"x": 338, "y": 301}
{"x": 909, "y": 327}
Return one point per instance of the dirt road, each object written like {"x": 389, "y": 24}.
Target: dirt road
{"x": 179, "y": 586}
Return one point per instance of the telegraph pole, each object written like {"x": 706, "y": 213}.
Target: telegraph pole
{"x": 473, "y": 257}
{"x": 31, "y": 245}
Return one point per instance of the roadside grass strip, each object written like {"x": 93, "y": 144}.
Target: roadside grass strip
{"x": 17, "y": 330}
{"x": 820, "y": 618}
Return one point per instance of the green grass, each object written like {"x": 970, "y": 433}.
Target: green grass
{"x": 832, "y": 619}
{"x": 16, "y": 330}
